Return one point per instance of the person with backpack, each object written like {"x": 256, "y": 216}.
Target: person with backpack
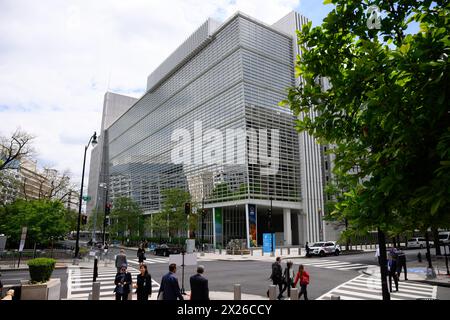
{"x": 303, "y": 277}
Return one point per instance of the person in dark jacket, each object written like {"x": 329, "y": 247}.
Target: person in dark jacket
{"x": 141, "y": 254}
{"x": 123, "y": 283}
{"x": 277, "y": 276}
{"x": 143, "y": 284}
{"x": 169, "y": 288}
{"x": 392, "y": 271}
{"x": 307, "y": 249}
{"x": 199, "y": 285}
{"x": 401, "y": 264}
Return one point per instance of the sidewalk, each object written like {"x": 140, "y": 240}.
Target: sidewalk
{"x": 418, "y": 273}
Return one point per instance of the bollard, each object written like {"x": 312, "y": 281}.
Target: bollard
{"x": 90, "y": 296}
{"x": 294, "y": 294}
{"x": 76, "y": 262}
{"x": 272, "y": 292}
{"x": 251, "y": 251}
{"x": 334, "y": 297}
{"x": 237, "y": 292}
{"x": 220, "y": 251}
{"x": 130, "y": 295}
{"x": 299, "y": 251}
{"x": 95, "y": 291}
{"x": 289, "y": 251}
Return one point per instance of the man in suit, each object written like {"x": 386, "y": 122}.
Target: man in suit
{"x": 199, "y": 285}
{"x": 170, "y": 289}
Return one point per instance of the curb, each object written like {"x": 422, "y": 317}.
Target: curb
{"x": 26, "y": 269}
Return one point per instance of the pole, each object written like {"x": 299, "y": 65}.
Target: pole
{"x": 182, "y": 272}
{"x": 271, "y": 229}
{"x": 95, "y": 270}
{"x": 203, "y": 223}
{"x": 77, "y": 244}
{"x": 446, "y": 258}
{"x": 104, "y": 218}
{"x": 428, "y": 249}
{"x": 383, "y": 265}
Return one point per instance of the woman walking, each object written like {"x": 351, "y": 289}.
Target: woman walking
{"x": 143, "y": 284}
{"x": 141, "y": 254}
{"x": 123, "y": 283}
{"x": 303, "y": 276}
{"x": 288, "y": 278}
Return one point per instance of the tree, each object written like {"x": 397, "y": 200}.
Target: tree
{"x": 45, "y": 220}
{"x": 125, "y": 217}
{"x": 158, "y": 224}
{"x": 15, "y": 148}
{"x": 173, "y": 209}
{"x": 385, "y": 111}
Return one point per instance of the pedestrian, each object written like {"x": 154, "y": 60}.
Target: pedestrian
{"x": 143, "y": 284}
{"x": 307, "y": 249}
{"x": 288, "y": 277}
{"x": 123, "y": 282}
{"x": 401, "y": 264}
{"x": 121, "y": 259}
{"x": 105, "y": 249}
{"x": 199, "y": 285}
{"x": 141, "y": 254}
{"x": 303, "y": 276}
{"x": 392, "y": 271}
{"x": 169, "y": 288}
{"x": 277, "y": 277}
{"x": 377, "y": 255}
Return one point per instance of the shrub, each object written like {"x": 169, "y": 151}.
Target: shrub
{"x": 41, "y": 269}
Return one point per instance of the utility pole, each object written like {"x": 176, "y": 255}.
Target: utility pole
{"x": 203, "y": 224}
{"x": 383, "y": 265}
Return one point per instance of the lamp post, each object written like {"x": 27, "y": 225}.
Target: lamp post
{"x": 272, "y": 253}
{"x": 92, "y": 140}
{"x": 106, "y": 208}
{"x": 203, "y": 225}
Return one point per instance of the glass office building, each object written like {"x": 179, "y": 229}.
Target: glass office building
{"x": 214, "y": 104}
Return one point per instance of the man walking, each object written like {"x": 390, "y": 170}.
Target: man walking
{"x": 121, "y": 259}
{"x": 307, "y": 249}
{"x": 199, "y": 285}
{"x": 277, "y": 276}
{"x": 170, "y": 289}
{"x": 401, "y": 264}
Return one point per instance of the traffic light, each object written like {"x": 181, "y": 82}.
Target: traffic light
{"x": 187, "y": 208}
{"x": 83, "y": 219}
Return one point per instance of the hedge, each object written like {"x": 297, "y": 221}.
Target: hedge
{"x": 41, "y": 269}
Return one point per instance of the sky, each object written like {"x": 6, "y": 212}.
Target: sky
{"x": 58, "y": 58}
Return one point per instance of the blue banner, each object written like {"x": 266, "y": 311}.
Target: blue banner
{"x": 267, "y": 243}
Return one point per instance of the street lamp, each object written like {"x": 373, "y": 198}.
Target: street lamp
{"x": 106, "y": 208}
{"x": 92, "y": 140}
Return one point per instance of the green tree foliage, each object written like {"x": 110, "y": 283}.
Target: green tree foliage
{"x": 126, "y": 219}
{"x": 45, "y": 219}
{"x": 173, "y": 209}
{"x": 386, "y": 111}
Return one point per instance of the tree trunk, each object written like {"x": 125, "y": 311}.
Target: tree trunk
{"x": 428, "y": 249}
{"x": 436, "y": 241}
{"x": 383, "y": 265}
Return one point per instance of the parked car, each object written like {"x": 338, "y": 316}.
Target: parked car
{"x": 444, "y": 237}
{"x": 324, "y": 248}
{"x": 166, "y": 250}
{"x": 418, "y": 242}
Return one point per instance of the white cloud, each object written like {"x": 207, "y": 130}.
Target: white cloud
{"x": 57, "y": 59}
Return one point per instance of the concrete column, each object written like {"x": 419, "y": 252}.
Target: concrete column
{"x": 294, "y": 294}
{"x": 272, "y": 292}
{"x": 287, "y": 226}
{"x": 214, "y": 226}
{"x": 96, "y": 290}
{"x": 247, "y": 226}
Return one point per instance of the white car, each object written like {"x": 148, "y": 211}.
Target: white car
{"x": 324, "y": 248}
{"x": 444, "y": 237}
{"x": 418, "y": 243}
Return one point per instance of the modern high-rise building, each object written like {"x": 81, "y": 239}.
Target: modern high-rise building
{"x": 210, "y": 123}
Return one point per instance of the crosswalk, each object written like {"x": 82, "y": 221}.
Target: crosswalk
{"x": 336, "y": 265}
{"x": 150, "y": 260}
{"x": 365, "y": 287}
{"x": 80, "y": 282}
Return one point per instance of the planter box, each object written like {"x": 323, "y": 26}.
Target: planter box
{"x": 238, "y": 251}
{"x": 51, "y": 290}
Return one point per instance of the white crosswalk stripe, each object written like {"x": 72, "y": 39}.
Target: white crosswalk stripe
{"x": 150, "y": 260}
{"x": 336, "y": 265}
{"x": 79, "y": 283}
{"x": 365, "y": 287}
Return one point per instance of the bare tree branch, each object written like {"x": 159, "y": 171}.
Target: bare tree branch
{"x": 15, "y": 148}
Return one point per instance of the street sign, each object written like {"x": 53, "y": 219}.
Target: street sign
{"x": 190, "y": 259}
{"x": 87, "y": 198}
{"x": 268, "y": 242}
